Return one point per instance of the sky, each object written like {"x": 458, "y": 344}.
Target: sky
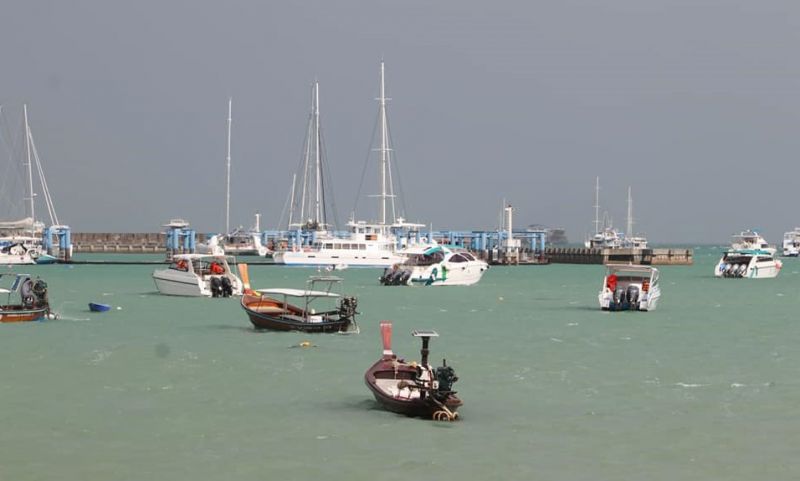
{"x": 695, "y": 104}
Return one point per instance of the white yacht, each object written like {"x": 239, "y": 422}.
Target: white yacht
{"x": 791, "y": 243}
{"x": 748, "y": 263}
{"x": 608, "y": 238}
{"x": 243, "y": 243}
{"x": 198, "y": 275}
{"x": 439, "y": 265}
{"x": 628, "y": 287}
{"x": 751, "y": 240}
{"x": 367, "y": 244}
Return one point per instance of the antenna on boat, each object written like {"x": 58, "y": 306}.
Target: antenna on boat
{"x": 228, "y": 168}
{"x": 629, "y": 230}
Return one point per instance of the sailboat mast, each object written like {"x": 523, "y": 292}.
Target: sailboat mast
{"x": 228, "y": 168}
{"x": 629, "y": 230}
{"x": 597, "y": 206}
{"x": 384, "y": 147}
{"x": 28, "y": 158}
{"x": 291, "y": 201}
{"x": 317, "y": 159}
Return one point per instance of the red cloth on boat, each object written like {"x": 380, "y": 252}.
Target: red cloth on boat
{"x": 216, "y": 268}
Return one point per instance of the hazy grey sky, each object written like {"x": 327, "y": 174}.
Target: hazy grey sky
{"x": 695, "y": 103}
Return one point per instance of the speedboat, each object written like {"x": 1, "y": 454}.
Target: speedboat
{"x": 198, "y": 275}
{"x": 628, "y": 287}
{"x": 791, "y": 243}
{"x": 413, "y": 389}
{"x": 440, "y": 265}
{"x": 31, "y": 303}
{"x": 748, "y": 263}
{"x": 271, "y": 309}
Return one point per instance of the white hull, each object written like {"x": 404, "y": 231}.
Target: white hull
{"x": 338, "y": 257}
{"x": 447, "y": 274}
{"x": 15, "y": 260}
{"x": 193, "y": 279}
{"x": 648, "y": 301}
{"x": 753, "y": 270}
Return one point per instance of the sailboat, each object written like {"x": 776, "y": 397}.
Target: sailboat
{"x": 22, "y": 241}
{"x": 367, "y": 244}
{"x": 238, "y": 241}
{"x": 607, "y": 236}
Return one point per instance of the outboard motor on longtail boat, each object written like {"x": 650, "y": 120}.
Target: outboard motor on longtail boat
{"x": 348, "y": 306}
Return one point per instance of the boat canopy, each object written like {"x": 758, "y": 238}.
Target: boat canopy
{"x": 631, "y": 268}
{"x": 296, "y": 292}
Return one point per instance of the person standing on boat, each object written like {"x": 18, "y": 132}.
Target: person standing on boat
{"x": 611, "y": 282}
{"x": 216, "y": 269}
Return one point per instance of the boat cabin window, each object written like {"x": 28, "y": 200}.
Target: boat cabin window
{"x": 180, "y": 265}
{"x": 764, "y": 259}
{"x": 468, "y": 256}
{"x": 458, "y": 258}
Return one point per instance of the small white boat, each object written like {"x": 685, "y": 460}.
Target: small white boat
{"x": 198, "y": 275}
{"x": 748, "y": 263}
{"x": 628, "y": 287}
{"x": 438, "y": 265}
{"x": 791, "y": 243}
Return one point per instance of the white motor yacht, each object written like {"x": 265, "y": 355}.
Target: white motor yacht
{"x": 440, "y": 265}
{"x": 749, "y": 264}
{"x": 791, "y": 243}
{"x": 198, "y": 275}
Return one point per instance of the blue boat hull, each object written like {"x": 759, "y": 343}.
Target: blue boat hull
{"x": 94, "y": 307}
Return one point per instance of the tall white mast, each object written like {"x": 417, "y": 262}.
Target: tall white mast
{"x": 291, "y": 201}
{"x": 228, "y": 177}
{"x": 597, "y": 206}
{"x": 384, "y": 149}
{"x": 28, "y": 158}
{"x": 317, "y": 160}
{"x": 629, "y": 230}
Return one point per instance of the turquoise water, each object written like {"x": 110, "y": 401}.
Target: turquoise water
{"x": 706, "y": 387}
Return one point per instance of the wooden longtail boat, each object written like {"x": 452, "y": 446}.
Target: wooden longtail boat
{"x": 410, "y": 388}
{"x": 270, "y": 308}
{"x": 32, "y": 304}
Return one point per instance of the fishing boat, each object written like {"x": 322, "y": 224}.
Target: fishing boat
{"x": 198, "y": 275}
{"x": 748, "y": 264}
{"x": 413, "y": 389}
{"x": 440, "y": 265}
{"x": 31, "y": 300}
{"x": 791, "y": 243}
{"x": 628, "y": 287}
{"x": 272, "y": 309}
{"x": 365, "y": 244}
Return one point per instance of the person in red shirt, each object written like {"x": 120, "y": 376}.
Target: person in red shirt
{"x": 611, "y": 282}
{"x": 217, "y": 269}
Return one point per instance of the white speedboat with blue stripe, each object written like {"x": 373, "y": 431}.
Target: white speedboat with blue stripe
{"x": 748, "y": 264}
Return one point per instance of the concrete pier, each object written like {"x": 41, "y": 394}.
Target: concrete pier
{"x": 581, "y": 255}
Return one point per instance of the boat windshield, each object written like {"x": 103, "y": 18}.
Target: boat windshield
{"x": 425, "y": 259}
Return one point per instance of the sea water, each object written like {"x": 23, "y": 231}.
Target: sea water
{"x": 706, "y": 387}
